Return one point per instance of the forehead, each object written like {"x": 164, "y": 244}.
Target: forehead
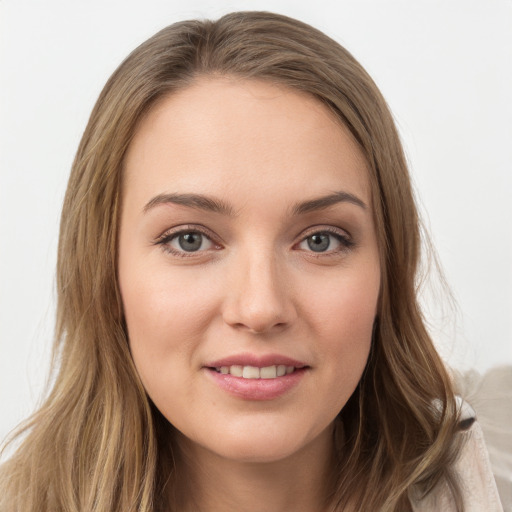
{"x": 224, "y": 136}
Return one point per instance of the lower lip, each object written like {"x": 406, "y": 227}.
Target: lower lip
{"x": 257, "y": 389}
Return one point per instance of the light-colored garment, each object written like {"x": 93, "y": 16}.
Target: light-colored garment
{"x": 477, "y": 482}
{"x": 485, "y": 464}
{"x": 490, "y": 395}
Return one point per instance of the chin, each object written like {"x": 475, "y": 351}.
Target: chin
{"x": 263, "y": 443}
{"x": 256, "y": 451}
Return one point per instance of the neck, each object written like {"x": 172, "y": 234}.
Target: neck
{"x": 211, "y": 483}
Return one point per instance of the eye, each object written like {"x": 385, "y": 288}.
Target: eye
{"x": 185, "y": 242}
{"x": 326, "y": 242}
{"x": 190, "y": 242}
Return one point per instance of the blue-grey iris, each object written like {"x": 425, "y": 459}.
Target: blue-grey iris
{"x": 318, "y": 243}
{"x": 190, "y": 242}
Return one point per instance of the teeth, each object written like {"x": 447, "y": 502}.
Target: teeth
{"x": 269, "y": 372}
{"x": 253, "y": 372}
{"x": 237, "y": 371}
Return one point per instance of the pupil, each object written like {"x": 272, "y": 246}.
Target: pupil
{"x": 318, "y": 243}
{"x": 190, "y": 242}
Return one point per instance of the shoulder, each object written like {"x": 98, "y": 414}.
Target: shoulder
{"x": 473, "y": 471}
{"x": 490, "y": 395}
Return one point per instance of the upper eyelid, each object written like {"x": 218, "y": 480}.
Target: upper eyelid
{"x": 324, "y": 229}
{"x": 188, "y": 228}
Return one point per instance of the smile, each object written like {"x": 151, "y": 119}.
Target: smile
{"x": 253, "y": 372}
{"x": 257, "y": 376}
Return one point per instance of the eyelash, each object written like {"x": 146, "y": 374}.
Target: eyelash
{"x": 346, "y": 243}
{"x": 165, "y": 240}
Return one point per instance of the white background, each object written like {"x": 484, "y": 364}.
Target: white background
{"x": 445, "y": 68}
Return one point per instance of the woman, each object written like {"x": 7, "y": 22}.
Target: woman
{"x": 237, "y": 317}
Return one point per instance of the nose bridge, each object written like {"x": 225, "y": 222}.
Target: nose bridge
{"x": 258, "y": 298}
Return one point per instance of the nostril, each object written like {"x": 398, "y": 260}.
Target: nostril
{"x": 258, "y": 305}
{"x": 264, "y": 328}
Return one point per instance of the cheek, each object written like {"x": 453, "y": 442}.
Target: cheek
{"x": 342, "y": 314}
{"x": 346, "y": 303}
{"x": 165, "y": 314}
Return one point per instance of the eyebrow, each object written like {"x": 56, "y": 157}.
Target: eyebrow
{"x": 323, "y": 202}
{"x": 212, "y": 204}
{"x": 197, "y": 201}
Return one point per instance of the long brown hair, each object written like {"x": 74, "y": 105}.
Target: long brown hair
{"x": 97, "y": 443}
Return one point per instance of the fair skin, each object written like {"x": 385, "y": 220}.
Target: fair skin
{"x": 228, "y": 263}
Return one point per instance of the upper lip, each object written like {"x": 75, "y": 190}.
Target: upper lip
{"x": 259, "y": 361}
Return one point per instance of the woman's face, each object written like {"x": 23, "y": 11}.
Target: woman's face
{"x": 248, "y": 266}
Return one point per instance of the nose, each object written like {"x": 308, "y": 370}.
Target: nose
{"x": 259, "y": 296}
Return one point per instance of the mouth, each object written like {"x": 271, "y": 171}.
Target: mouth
{"x": 256, "y": 378}
{"x": 255, "y": 372}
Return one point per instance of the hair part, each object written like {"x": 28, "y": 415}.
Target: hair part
{"x": 97, "y": 443}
